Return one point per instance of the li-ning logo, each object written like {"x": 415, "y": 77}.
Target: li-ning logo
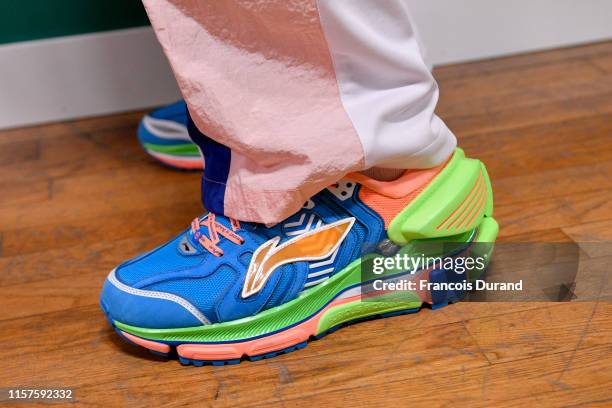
{"x": 313, "y": 245}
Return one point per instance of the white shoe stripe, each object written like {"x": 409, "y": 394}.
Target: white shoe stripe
{"x": 323, "y": 272}
{"x": 112, "y": 278}
{"x": 326, "y": 262}
{"x": 308, "y": 284}
{"x": 296, "y": 223}
{"x": 166, "y": 129}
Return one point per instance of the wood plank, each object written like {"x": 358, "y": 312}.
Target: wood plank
{"x": 519, "y": 117}
{"x": 533, "y": 149}
{"x": 434, "y": 354}
{"x": 18, "y": 152}
{"x": 554, "y": 213}
{"x": 554, "y": 183}
{"x": 105, "y": 198}
{"x": 85, "y": 232}
{"x": 15, "y": 193}
{"x": 522, "y": 61}
{"x": 96, "y": 258}
{"x": 533, "y": 382}
{"x": 401, "y": 361}
{"x": 547, "y": 235}
{"x": 545, "y": 84}
{"x": 529, "y": 334}
{"x": 599, "y": 231}
{"x": 67, "y": 154}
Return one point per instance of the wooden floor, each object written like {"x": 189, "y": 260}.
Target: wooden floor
{"x": 77, "y": 198}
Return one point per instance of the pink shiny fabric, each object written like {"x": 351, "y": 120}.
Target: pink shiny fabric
{"x": 258, "y": 77}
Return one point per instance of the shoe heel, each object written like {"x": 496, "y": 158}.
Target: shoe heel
{"x": 456, "y": 201}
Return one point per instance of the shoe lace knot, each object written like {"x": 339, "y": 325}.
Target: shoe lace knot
{"x": 215, "y": 231}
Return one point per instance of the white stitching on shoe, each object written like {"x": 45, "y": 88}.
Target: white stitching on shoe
{"x": 112, "y": 278}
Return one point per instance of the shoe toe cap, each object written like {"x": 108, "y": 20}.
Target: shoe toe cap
{"x": 147, "y": 309}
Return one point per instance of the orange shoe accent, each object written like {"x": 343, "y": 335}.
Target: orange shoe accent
{"x": 273, "y": 342}
{"x": 388, "y": 198}
{"x": 476, "y": 210}
{"x": 464, "y": 210}
{"x": 149, "y": 344}
{"x": 315, "y": 244}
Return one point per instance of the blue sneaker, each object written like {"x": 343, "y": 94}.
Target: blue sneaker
{"x": 223, "y": 290}
{"x": 163, "y": 135}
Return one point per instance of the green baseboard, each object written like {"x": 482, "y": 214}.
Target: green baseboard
{"x": 38, "y": 19}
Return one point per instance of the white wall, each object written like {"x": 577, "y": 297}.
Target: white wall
{"x": 82, "y": 75}
{"x": 462, "y": 30}
{"x": 95, "y": 74}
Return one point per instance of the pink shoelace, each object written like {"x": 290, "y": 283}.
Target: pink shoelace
{"x": 215, "y": 229}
